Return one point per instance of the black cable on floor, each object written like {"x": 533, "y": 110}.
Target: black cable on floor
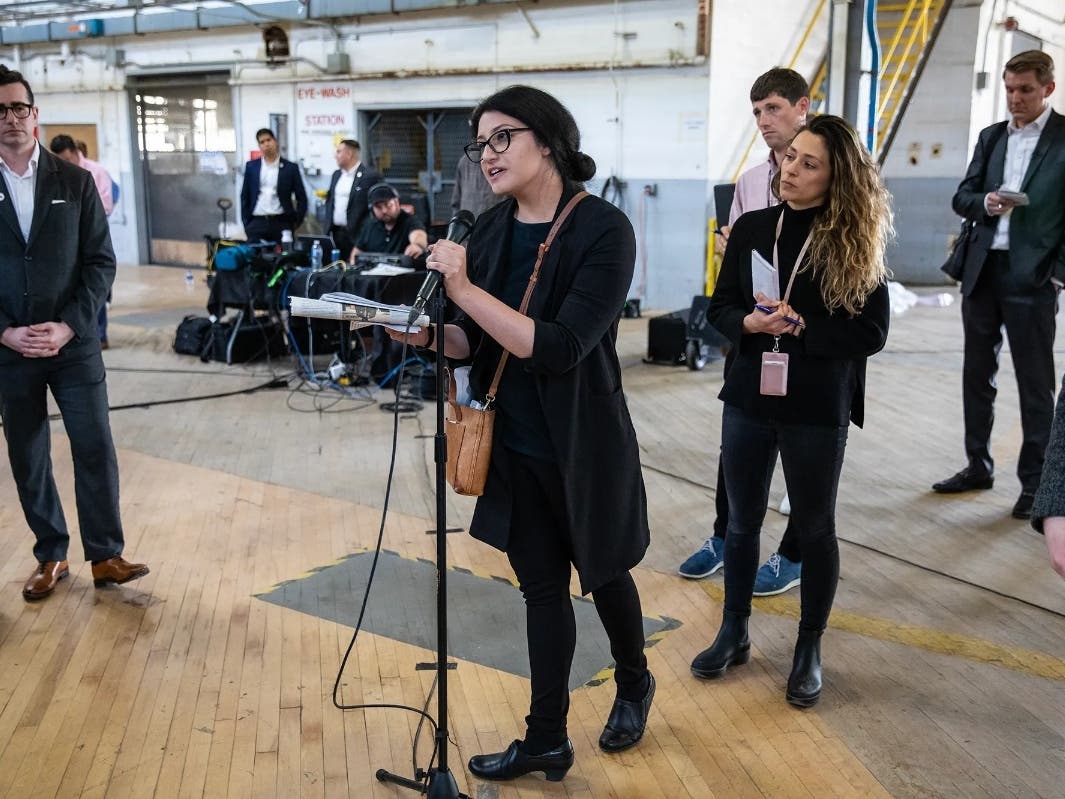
{"x": 423, "y": 713}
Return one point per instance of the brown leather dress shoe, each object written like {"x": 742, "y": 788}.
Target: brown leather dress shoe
{"x": 43, "y": 581}
{"x": 116, "y": 570}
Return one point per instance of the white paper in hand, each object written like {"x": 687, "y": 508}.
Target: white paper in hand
{"x": 764, "y": 277}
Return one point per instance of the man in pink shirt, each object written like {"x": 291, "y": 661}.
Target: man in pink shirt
{"x": 66, "y": 148}
{"x": 780, "y": 99}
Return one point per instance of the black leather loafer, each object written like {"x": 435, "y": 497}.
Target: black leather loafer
{"x": 966, "y": 480}
{"x": 624, "y": 728}
{"x": 512, "y": 763}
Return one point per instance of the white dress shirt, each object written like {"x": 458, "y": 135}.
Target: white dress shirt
{"x": 23, "y": 190}
{"x": 268, "y": 203}
{"x": 342, "y": 195}
{"x": 1020, "y": 145}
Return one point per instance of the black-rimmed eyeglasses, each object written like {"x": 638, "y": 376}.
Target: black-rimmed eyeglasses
{"x": 20, "y": 110}
{"x": 498, "y": 141}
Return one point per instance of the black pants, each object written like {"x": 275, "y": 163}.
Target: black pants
{"x": 812, "y": 457}
{"x": 79, "y": 387}
{"x": 267, "y": 228}
{"x": 1030, "y": 325}
{"x": 540, "y": 553}
{"x": 343, "y": 240}
{"x": 789, "y": 542}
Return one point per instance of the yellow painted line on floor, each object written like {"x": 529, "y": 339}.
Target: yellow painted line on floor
{"x": 1026, "y": 661}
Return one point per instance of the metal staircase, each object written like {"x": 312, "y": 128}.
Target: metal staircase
{"x": 907, "y": 31}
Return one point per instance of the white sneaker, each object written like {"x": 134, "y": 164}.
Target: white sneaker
{"x": 785, "y": 505}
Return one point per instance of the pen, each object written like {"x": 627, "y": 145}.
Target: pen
{"x": 788, "y": 319}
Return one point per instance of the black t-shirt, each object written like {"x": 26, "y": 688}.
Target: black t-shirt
{"x": 524, "y": 424}
{"x": 375, "y": 238}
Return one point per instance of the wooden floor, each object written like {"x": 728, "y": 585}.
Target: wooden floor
{"x": 945, "y": 660}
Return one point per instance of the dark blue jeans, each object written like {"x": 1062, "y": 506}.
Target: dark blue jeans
{"x": 812, "y": 457}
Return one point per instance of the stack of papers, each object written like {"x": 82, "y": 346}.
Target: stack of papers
{"x": 360, "y": 311}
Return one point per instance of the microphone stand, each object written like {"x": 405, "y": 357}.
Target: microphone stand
{"x": 441, "y": 783}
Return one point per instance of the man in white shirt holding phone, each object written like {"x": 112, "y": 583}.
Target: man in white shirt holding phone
{"x": 1014, "y": 191}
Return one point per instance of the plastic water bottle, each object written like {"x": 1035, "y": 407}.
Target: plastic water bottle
{"x": 190, "y": 281}
{"x": 316, "y": 255}
{"x": 334, "y": 256}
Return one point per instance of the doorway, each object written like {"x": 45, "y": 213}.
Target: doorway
{"x": 417, "y": 150}
{"x": 187, "y": 149}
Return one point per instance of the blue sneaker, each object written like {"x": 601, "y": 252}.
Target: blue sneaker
{"x": 777, "y": 575}
{"x": 704, "y": 562}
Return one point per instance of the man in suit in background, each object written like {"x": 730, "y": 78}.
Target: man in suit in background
{"x": 347, "y": 205}
{"x": 272, "y": 198}
{"x": 56, "y": 267}
{"x": 1014, "y": 270}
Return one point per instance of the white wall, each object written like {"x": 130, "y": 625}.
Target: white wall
{"x": 109, "y": 111}
{"x": 748, "y": 39}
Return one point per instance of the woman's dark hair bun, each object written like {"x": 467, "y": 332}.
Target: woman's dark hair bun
{"x": 551, "y": 122}
{"x": 581, "y": 167}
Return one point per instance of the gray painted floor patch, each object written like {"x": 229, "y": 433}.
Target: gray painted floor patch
{"x": 486, "y": 617}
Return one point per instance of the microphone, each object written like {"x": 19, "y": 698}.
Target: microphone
{"x": 457, "y": 231}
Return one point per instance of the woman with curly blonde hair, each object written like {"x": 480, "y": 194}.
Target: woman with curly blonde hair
{"x": 795, "y": 379}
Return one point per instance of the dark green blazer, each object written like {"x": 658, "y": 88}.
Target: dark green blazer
{"x": 1037, "y": 231}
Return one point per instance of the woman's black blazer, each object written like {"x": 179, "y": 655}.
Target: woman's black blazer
{"x": 576, "y": 305}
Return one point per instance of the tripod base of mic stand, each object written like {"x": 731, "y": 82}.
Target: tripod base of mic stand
{"x": 442, "y": 784}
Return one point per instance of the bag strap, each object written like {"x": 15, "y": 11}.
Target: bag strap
{"x": 490, "y": 397}
{"x": 798, "y": 260}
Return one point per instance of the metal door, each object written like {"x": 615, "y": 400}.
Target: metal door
{"x": 417, "y": 151}
{"x": 187, "y": 151}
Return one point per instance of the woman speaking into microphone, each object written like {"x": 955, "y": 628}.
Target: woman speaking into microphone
{"x": 564, "y": 485}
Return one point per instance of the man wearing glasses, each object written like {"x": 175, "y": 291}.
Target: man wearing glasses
{"x": 56, "y": 267}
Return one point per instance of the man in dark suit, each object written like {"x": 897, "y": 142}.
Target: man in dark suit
{"x": 1014, "y": 191}
{"x": 347, "y": 204}
{"x": 272, "y": 198}
{"x": 56, "y": 267}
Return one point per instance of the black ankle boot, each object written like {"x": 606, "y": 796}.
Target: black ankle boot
{"x": 627, "y": 721}
{"x": 512, "y": 763}
{"x": 804, "y": 684}
{"x": 732, "y": 647}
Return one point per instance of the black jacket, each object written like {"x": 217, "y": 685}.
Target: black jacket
{"x": 358, "y": 205}
{"x": 290, "y": 192}
{"x": 1050, "y": 498}
{"x": 1037, "y": 230}
{"x": 826, "y": 368}
{"x": 65, "y": 270}
{"x": 576, "y": 306}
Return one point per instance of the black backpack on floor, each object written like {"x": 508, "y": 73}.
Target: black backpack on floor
{"x": 191, "y": 336}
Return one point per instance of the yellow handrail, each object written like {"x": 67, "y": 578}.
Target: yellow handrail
{"x": 791, "y": 65}
{"x": 919, "y": 30}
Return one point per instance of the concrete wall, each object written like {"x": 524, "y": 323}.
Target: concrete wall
{"x": 931, "y": 152}
{"x": 937, "y": 135}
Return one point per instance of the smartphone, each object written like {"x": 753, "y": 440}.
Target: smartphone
{"x": 1015, "y": 197}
